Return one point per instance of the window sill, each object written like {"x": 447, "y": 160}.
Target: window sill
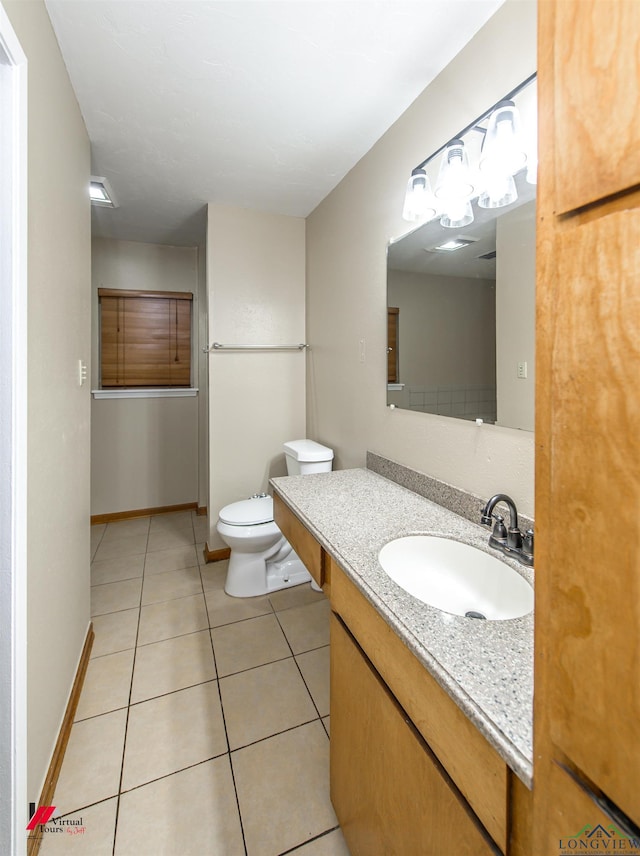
{"x": 181, "y": 392}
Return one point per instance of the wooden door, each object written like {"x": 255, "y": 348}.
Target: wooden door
{"x": 597, "y": 99}
{"x": 587, "y": 672}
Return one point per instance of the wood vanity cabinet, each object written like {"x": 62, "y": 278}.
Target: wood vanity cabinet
{"x": 471, "y": 783}
{"x": 311, "y": 553}
{"x": 410, "y": 774}
{"x": 391, "y": 795}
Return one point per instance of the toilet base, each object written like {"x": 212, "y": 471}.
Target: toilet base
{"x": 246, "y": 575}
{"x": 290, "y": 572}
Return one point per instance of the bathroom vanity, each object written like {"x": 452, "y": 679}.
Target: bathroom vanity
{"x": 430, "y": 712}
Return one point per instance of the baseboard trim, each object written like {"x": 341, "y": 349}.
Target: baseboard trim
{"x": 51, "y": 780}
{"x": 146, "y": 512}
{"x": 201, "y": 511}
{"x": 215, "y": 555}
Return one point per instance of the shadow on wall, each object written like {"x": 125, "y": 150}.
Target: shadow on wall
{"x": 276, "y": 467}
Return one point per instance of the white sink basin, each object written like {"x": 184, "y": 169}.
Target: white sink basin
{"x": 456, "y": 578}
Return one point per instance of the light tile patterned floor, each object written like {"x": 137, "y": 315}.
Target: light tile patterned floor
{"x": 203, "y": 724}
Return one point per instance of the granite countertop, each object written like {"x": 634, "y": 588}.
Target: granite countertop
{"x": 485, "y": 666}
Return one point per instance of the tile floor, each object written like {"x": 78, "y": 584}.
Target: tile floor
{"x": 203, "y": 725}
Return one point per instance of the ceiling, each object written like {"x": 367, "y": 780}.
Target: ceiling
{"x": 264, "y": 104}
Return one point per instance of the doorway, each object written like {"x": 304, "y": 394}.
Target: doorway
{"x": 13, "y": 439}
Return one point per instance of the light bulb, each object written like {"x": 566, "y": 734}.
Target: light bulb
{"x": 418, "y": 200}
{"x": 454, "y": 179}
{"x": 503, "y": 148}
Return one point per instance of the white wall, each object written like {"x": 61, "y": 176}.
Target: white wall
{"x": 255, "y": 275}
{"x": 144, "y": 451}
{"x": 59, "y": 331}
{"x": 515, "y": 315}
{"x": 347, "y": 237}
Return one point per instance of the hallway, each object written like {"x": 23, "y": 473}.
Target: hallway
{"x": 203, "y": 724}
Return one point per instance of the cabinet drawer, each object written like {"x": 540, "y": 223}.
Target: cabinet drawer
{"x": 474, "y": 766}
{"x": 302, "y": 541}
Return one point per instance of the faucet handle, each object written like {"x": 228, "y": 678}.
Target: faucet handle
{"x": 527, "y": 542}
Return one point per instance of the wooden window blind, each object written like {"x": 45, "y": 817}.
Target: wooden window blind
{"x": 145, "y": 338}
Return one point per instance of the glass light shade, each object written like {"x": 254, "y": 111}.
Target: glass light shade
{"x": 418, "y": 200}
{"x": 454, "y": 180}
{"x": 532, "y": 170}
{"x": 503, "y": 150}
{"x": 457, "y": 213}
{"x": 500, "y": 191}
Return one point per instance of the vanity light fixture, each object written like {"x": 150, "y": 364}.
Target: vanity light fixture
{"x": 100, "y": 192}
{"x": 490, "y": 179}
{"x": 418, "y": 200}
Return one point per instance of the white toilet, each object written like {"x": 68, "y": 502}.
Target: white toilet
{"x": 262, "y": 560}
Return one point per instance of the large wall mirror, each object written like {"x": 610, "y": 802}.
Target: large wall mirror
{"x": 461, "y": 296}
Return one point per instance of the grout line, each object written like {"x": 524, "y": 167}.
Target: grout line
{"x": 300, "y": 670}
{"x": 276, "y": 734}
{"x": 126, "y": 725}
{"x": 224, "y": 723}
{"x": 123, "y": 580}
{"x": 175, "y": 772}
{"x": 308, "y": 841}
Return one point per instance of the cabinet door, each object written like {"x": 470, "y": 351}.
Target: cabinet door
{"x": 576, "y": 822}
{"x": 391, "y": 795}
{"x": 597, "y": 99}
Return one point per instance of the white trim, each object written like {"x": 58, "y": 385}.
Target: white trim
{"x": 179, "y": 392}
{"x": 14, "y": 301}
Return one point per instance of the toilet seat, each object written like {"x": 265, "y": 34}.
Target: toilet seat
{"x": 248, "y": 512}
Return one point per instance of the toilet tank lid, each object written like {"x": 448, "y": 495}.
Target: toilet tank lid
{"x": 248, "y": 512}
{"x": 308, "y": 450}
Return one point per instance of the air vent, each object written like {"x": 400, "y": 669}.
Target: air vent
{"x": 488, "y": 256}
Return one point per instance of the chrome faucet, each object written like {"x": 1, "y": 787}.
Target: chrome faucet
{"x": 509, "y": 541}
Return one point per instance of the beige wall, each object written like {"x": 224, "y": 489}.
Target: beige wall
{"x": 144, "y": 451}
{"x": 203, "y": 382}
{"x": 59, "y": 327}
{"x": 346, "y": 283}
{"x": 255, "y": 275}
{"x": 447, "y": 328}
{"x": 515, "y": 314}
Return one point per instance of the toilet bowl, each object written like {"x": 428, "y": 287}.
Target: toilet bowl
{"x": 262, "y": 560}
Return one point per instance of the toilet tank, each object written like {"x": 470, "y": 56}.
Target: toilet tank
{"x": 307, "y": 456}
